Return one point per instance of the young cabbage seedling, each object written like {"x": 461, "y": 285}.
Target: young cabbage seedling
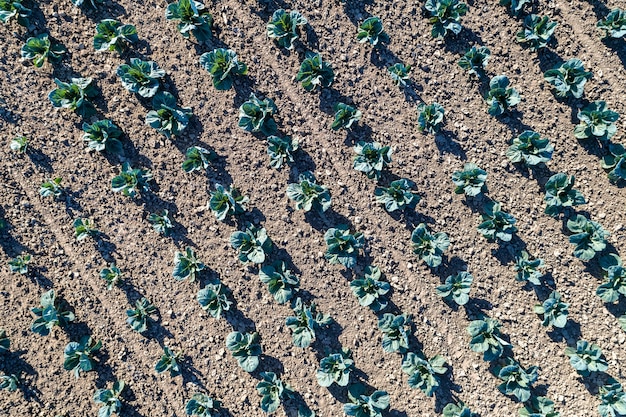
{"x": 224, "y": 66}
{"x": 429, "y": 247}
{"x": 9, "y": 382}
{"x": 87, "y": 3}
{"x": 457, "y": 288}
{"x": 141, "y": 77}
{"x": 281, "y": 282}
{"x": 615, "y": 163}
{"x": 517, "y": 380}
{"x": 19, "y": 144}
{"x": 613, "y": 399}
{"x": 84, "y": 228}
{"x": 169, "y": 362}
{"x": 568, "y": 79}
{"x": 19, "y": 264}
{"x": 201, "y": 405}
{"x": 39, "y": 49}
{"x": 371, "y": 30}
{"x": 166, "y": 116}
{"x": 138, "y": 317}
{"x": 445, "y": 15}
{"x": 345, "y": 116}
{"x": 227, "y": 202}
{"x": 130, "y": 181}
{"x": 50, "y": 314}
{"x": 308, "y": 194}
{"x": 560, "y": 193}
{"x": 530, "y": 149}
{"x": 194, "y": 19}
{"x": 14, "y": 9}
{"x": 273, "y": 391}
{"x": 399, "y": 73}
{"x": 527, "y": 269}
{"x": 486, "y": 338}
{"x": 74, "y": 96}
{"x": 112, "y": 35}
{"x": 78, "y": 356}
{"x": 186, "y": 265}
{"x": 537, "y": 32}
{"x": 314, "y": 72}
{"x": 109, "y": 399}
{"x": 423, "y": 373}
{"x": 370, "y": 289}
{"x": 283, "y": 27}
{"x": 430, "y": 117}
{"x": 554, "y": 311}
{"x": 613, "y": 286}
{"x": 342, "y": 247}
{"x": 258, "y": 116}
{"x": 475, "y": 60}
{"x": 371, "y": 158}
{"x": 197, "y": 158}
{"x": 496, "y": 224}
{"x": 252, "y": 244}
{"x": 161, "y": 222}
{"x": 305, "y": 323}
{"x": 245, "y": 348}
{"x": 395, "y": 331}
{"x": 280, "y": 150}
{"x": 362, "y": 405}
{"x": 398, "y": 196}
{"x": 588, "y": 236}
{"x": 335, "y": 369}
{"x": 111, "y": 275}
{"x": 458, "y": 410}
{"x": 500, "y": 97}
{"x": 469, "y": 181}
{"x": 103, "y": 135}
{"x": 514, "y": 6}
{"x": 597, "y": 121}
{"x": 214, "y": 299}
{"x": 586, "y": 358}
{"x": 614, "y": 24}
{"x": 539, "y": 407}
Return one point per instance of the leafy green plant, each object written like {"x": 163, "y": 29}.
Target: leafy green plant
{"x": 362, "y": 405}
{"x": 223, "y": 65}
{"x": 614, "y": 284}
{"x": 280, "y": 150}
{"x": 530, "y": 149}
{"x": 475, "y": 60}
{"x": 370, "y": 289}
{"x": 252, "y": 244}
{"x": 486, "y": 338}
{"x": 39, "y": 49}
{"x": 19, "y": 264}
{"x": 335, "y": 368}
{"x": 281, "y": 282}
{"x": 273, "y": 391}
{"x": 112, "y": 35}
{"x": 457, "y": 410}
{"x": 614, "y": 24}
{"x": 86, "y": 3}
{"x": 5, "y": 342}
{"x": 345, "y": 116}
{"x": 615, "y": 162}
{"x": 50, "y": 314}
{"x": 201, "y": 405}
{"x": 588, "y": 236}
{"x": 398, "y": 196}
{"x": 169, "y": 362}
{"x": 514, "y": 6}
{"x": 527, "y": 269}
{"x": 308, "y": 194}
{"x": 141, "y": 77}
{"x": 457, "y": 287}
{"x": 194, "y": 19}
{"x": 186, "y": 265}
{"x": 430, "y": 117}
{"x": 371, "y": 30}
{"x": 131, "y": 180}
{"x": 213, "y": 299}
{"x": 613, "y": 399}
{"x": 445, "y": 15}
{"x": 74, "y": 96}
{"x": 560, "y": 194}
{"x": 429, "y": 247}
{"x": 596, "y": 121}
{"x": 258, "y": 115}
{"x": 586, "y": 358}
{"x": 399, "y": 73}
{"x": 78, "y": 356}
{"x": 103, "y": 135}
{"x": 342, "y": 247}
{"x": 283, "y": 27}
{"x": 554, "y": 311}
{"x": 496, "y": 224}
{"x": 8, "y": 382}
{"x": 166, "y": 116}
{"x": 395, "y": 332}
{"x": 197, "y": 158}
{"x": 138, "y": 317}
{"x": 161, "y": 222}
{"x": 314, "y": 72}
{"x": 10, "y": 9}
{"x": 539, "y": 407}
{"x": 423, "y": 373}
{"x": 569, "y": 78}
{"x": 371, "y": 158}
{"x": 109, "y": 399}
{"x": 305, "y": 322}
{"x": 500, "y": 97}
{"x": 84, "y": 228}
{"x": 111, "y": 275}
{"x": 245, "y": 348}
{"x": 227, "y": 202}
{"x": 517, "y": 380}
{"x": 19, "y": 144}
{"x": 537, "y": 32}
{"x": 470, "y": 181}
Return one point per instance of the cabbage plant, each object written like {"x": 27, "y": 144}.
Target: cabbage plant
{"x": 500, "y": 97}
{"x": 514, "y": 6}
{"x": 371, "y": 158}
{"x": 112, "y": 35}
{"x": 245, "y": 348}
{"x": 103, "y": 135}
{"x": 305, "y": 322}
{"x": 342, "y": 247}
{"x": 445, "y": 15}
{"x": 169, "y": 362}
{"x": 281, "y": 282}
{"x": 314, "y": 72}
{"x": 166, "y": 116}
{"x": 399, "y": 73}
{"x": 586, "y": 358}
{"x": 49, "y": 314}
{"x": 568, "y": 79}
{"x": 530, "y": 149}
{"x": 537, "y": 32}
{"x": 131, "y": 180}
{"x": 457, "y": 288}
{"x": 361, "y": 405}
{"x": 335, "y": 368}
{"x": 225, "y": 202}
{"x": 345, "y": 116}
{"x": 424, "y": 373}
{"x": 398, "y": 196}
{"x": 553, "y": 310}
{"x": 258, "y": 115}
{"x": 430, "y": 117}
{"x": 141, "y": 77}
{"x": 539, "y": 407}
{"x": 528, "y": 269}
{"x": 475, "y": 60}
{"x": 486, "y": 338}
{"x": 193, "y": 19}
{"x": 109, "y": 399}
{"x": 272, "y": 391}
{"x": 518, "y": 381}
{"x": 283, "y": 27}
{"x": 74, "y": 96}
{"x": 596, "y": 121}
{"x": 252, "y": 244}
{"x": 14, "y": 9}
{"x": 138, "y": 317}
{"x": 560, "y": 193}
{"x": 496, "y": 224}
{"x": 615, "y": 163}
{"x": 79, "y": 356}
{"x": 197, "y": 158}
{"x": 280, "y": 150}
{"x": 588, "y": 236}
{"x": 214, "y": 298}
{"x": 224, "y": 66}
{"x": 395, "y": 330}
{"x": 371, "y": 30}
{"x": 427, "y": 246}
{"x": 614, "y": 24}
{"x": 308, "y": 194}
{"x": 470, "y": 180}
{"x": 370, "y": 289}
{"x": 40, "y": 49}
{"x": 201, "y": 405}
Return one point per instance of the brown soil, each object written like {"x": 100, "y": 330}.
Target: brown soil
{"x": 44, "y": 228}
